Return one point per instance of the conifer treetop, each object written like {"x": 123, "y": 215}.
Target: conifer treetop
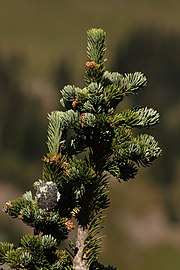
{"x": 88, "y": 142}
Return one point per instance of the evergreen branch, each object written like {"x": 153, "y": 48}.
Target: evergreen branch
{"x": 142, "y": 149}
{"x": 112, "y": 95}
{"x": 93, "y": 240}
{"x": 22, "y": 206}
{"x": 18, "y": 258}
{"x": 95, "y": 89}
{"x": 147, "y": 117}
{"x": 87, "y": 120}
{"x": 64, "y": 120}
{"x": 73, "y": 97}
{"x": 64, "y": 261}
{"x": 42, "y": 220}
{"x": 122, "y": 171}
{"x": 4, "y": 248}
{"x": 133, "y": 82}
{"x": 122, "y": 135}
{"x": 55, "y": 129}
{"x": 35, "y": 252}
{"x": 96, "y": 45}
{"x": 58, "y": 121}
{"x": 71, "y": 119}
{"x": 54, "y": 168}
{"x": 118, "y": 86}
{"x": 142, "y": 117}
{"x": 112, "y": 77}
{"x": 95, "y": 98}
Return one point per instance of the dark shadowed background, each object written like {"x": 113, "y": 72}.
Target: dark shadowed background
{"x": 43, "y": 48}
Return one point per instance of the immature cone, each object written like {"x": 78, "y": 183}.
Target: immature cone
{"x": 47, "y": 195}
{"x": 90, "y": 64}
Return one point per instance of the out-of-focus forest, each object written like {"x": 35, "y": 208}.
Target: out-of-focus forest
{"x": 42, "y": 48}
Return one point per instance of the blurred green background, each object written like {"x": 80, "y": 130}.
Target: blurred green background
{"x": 43, "y": 48}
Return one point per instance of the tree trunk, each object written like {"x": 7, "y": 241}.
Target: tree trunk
{"x": 80, "y": 262}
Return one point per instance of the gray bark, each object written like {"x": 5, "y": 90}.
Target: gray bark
{"x": 80, "y": 262}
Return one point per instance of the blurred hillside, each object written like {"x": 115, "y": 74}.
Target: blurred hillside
{"x": 42, "y": 48}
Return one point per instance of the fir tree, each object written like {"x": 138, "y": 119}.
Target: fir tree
{"x": 87, "y": 143}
